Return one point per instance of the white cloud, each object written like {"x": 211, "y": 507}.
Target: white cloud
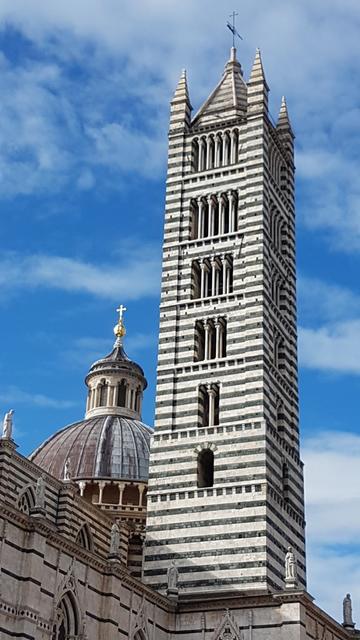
{"x": 326, "y": 300}
{"x": 332, "y": 491}
{"x": 137, "y": 276}
{"x": 13, "y": 396}
{"x": 334, "y": 347}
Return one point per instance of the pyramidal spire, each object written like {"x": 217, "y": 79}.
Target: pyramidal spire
{"x": 180, "y": 105}
{"x": 283, "y": 118}
{"x": 182, "y": 92}
{"x": 283, "y": 125}
{"x": 258, "y": 89}
{"x": 228, "y": 99}
{"x": 257, "y": 71}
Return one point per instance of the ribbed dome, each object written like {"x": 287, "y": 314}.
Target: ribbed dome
{"x": 107, "y": 446}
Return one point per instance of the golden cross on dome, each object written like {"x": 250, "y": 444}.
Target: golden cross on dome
{"x": 119, "y": 328}
{"x": 120, "y": 311}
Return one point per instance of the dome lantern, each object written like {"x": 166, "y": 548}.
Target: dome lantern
{"x": 115, "y": 383}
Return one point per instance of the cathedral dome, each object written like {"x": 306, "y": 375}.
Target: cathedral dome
{"x": 101, "y": 447}
{"x": 111, "y": 443}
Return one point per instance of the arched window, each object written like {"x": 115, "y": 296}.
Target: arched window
{"x": 209, "y": 405}
{"x": 131, "y": 495}
{"x": 84, "y": 538}
{"x": 194, "y": 219}
{"x": 26, "y": 500}
{"x": 199, "y": 350}
{"x": 67, "y": 617}
{"x": 103, "y": 394}
{"x": 121, "y": 394}
{"x": 205, "y": 468}
{"x": 195, "y": 280}
{"x": 138, "y": 399}
{"x": 195, "y": 155}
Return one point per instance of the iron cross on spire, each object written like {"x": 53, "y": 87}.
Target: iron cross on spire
{"x": 232, "y": 27}
{"x": 120, "y": 311}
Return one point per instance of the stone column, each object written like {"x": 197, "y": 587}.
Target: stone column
{"x": 207, "y": 337}
{"x": 234, "y": 140}
{"x": 211, "y": 216}
{"x": 218, "y": 328}
{"x": 221, "y": 215}
{"x": 223, "y": 149}
{"x": 82, "y": 487}
{"x": 213, "y": 276}
{"x": 231, "y": 200}
{"x": 203, "y": 279}
{"x": 200, "y": 231}
{"x": 224, "y": 274}
{"x": 141, "y": 493}
{"x": 211, "y": 393}
{"x": 201, "y": 154}
{"x": 217, "y": 151}
{"x": 121, "y": 486}
{"x": 208, "y": 153}
{"x": 109, "y": 395}
{"x": 101, "y": 485}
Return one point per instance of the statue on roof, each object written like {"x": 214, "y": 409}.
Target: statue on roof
{"x": 8, "y": 425}
{"x": 290, "y": 568}
{"x": 114, "y": 540}
{"x": 347, "y": 612}
{"x": 67, "y": 470}
{"x": 40, "y": 492}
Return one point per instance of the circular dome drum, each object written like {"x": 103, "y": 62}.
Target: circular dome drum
{"x": 107, "y": 446}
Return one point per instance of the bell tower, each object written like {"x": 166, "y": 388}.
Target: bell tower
{"x": 225, "y": 494}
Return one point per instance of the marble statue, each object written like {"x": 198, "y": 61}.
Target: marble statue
{"x": 40, "y": 493}
{"x": 172, "y": 577}
{"x": 114, "y": 540}
{"x": 8, "y": 425}
{"x": 67, "y": 470}
{"x": 290, "y": 566}
{"x": 347, "y": 611}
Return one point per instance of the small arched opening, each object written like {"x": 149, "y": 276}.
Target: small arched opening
{"x": 26, "y": 500}
{"x": 67, "y": 618}
{"x": 84, "y": 538}
{"x": 103, "y": 394}
{"x": 131, "y": 495}
{"x": 121, "y": 394}
{"x": 205, "y": 468}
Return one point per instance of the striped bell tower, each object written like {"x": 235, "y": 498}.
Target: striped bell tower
{"x": 225, "y": 494}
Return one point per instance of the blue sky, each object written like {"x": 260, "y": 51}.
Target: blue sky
{"x": 84, "y": 89}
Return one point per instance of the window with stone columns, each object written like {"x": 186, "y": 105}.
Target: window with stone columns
{"x": 209, "y": 396}
{"x": 214, "y": 215}
{"x": 210, "y": 339}
{"x": 212, "y": 276}
{"x": 215, "y": 150}
{"x": 205, "y": 468}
